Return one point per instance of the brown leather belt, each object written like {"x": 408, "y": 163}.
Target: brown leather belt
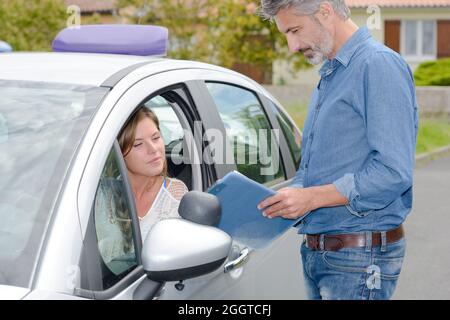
{"x": 337, "y": 242}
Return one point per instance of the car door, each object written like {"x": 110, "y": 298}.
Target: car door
{"x": 110, "y": 266}
{"x": 251, "y": 279}
{"x": 275, "y": 271}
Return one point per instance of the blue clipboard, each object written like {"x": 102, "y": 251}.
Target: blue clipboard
{"x": 241, "y": 219}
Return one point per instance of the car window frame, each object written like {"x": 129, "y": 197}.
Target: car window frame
{"x": 185, "y": 108}
{"x": 273, "y": 123}
{"x": 285, "y": 153}
{"x": 210, "y": 118}
{"x": 186, "y": 115}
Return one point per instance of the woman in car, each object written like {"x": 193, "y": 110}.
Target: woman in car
{"x": 156, "y": 195}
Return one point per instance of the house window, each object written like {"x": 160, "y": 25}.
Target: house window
{"x": 419, "y": 39}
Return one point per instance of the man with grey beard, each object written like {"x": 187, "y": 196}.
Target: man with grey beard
{"x": 353, "y": 189}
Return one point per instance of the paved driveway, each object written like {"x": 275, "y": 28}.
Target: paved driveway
{"x": 426, "y": 270}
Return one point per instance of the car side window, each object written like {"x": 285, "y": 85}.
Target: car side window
{"x": 255, "y": 145}
{"x": 291, "y": 132}
{"x": 112, "y": 231}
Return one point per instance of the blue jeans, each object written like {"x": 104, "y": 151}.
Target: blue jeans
{"x": 353, "y": 273}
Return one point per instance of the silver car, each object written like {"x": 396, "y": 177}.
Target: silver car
{"x": 60, "y": 115}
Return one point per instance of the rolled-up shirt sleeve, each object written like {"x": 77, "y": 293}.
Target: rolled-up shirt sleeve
{"x": 389, "y": 112}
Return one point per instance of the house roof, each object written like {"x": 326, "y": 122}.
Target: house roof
{"x": 87, "y": 6}
{"x": 398, "y": 3}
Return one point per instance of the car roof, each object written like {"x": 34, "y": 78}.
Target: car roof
{"x": 75, "y": 68}
{"x": 85, "y": 68}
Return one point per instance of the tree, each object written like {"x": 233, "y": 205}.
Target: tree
{"x": 224, "y": 32}
{"x": 186, "y": 20}
{"x": 246, "y": 37}
{"x": 31, "y": 25}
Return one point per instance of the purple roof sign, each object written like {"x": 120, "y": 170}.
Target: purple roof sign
{"x": 141, "y": 40}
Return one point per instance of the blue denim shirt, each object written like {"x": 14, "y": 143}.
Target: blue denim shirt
{"x": 360, "y": 135}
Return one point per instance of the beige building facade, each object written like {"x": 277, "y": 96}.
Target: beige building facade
{"x": 418, "y": 29}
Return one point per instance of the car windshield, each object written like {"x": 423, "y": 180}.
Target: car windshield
{"x": 41, "y": 125}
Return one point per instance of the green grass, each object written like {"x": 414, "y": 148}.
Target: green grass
{"x": 433, "y": 132}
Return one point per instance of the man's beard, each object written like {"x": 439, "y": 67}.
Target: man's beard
{"x": 321, "y": 49}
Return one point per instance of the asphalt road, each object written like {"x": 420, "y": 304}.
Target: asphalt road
{"x": 426, "y": 268}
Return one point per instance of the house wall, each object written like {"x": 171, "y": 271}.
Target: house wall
{"x": 281, "y": 71}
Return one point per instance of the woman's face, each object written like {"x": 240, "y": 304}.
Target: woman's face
{"x": 147, "y": 154}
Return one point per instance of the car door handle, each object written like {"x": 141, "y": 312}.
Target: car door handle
{"x": 243, "y": 257}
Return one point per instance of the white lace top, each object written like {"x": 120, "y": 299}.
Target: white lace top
{"x": 165, "y": 205}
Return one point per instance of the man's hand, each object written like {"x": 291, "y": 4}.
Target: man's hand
{"x": 292, "y": 203}
{"x": 289, "y": 203}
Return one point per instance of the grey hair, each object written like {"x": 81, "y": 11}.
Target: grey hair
{"x": 270, "y": 8}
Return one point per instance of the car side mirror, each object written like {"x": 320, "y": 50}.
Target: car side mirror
{"x": 200, "y": 207}
{"x": 177, "y": 249}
